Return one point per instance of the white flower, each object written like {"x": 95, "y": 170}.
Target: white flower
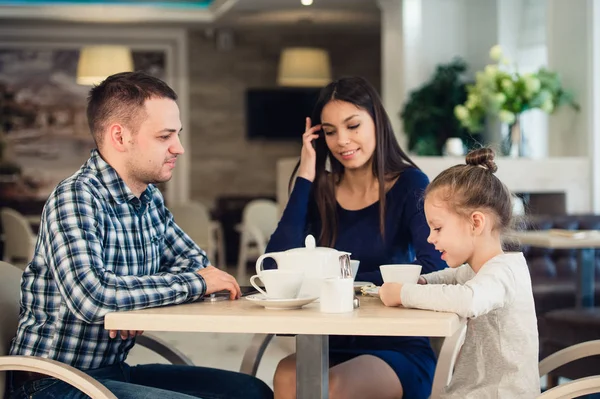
{"x": 491, "y": 70}
{"x": 461, "y": 112}
{"x": 472, "y": 101}
{"x": 496, "y": 53}
{"x": 547, "y": 106}
{"x": 506, "y": 116}
{"x": 507, "y": 85}
{"x": 500, "y": 98}
{"x": 532, "y": 84}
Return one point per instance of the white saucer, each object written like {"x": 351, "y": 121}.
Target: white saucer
{"x": 295, "y": 303}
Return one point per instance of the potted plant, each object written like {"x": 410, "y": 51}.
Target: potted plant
{"x": 428, "y": 116}
{"x": 507, "y": 94}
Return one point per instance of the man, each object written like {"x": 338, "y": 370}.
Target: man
{"x": 106, "y": 243}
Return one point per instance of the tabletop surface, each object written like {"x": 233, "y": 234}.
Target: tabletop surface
{"x": 548, "y": 239}
{"x": 243, "y": 316}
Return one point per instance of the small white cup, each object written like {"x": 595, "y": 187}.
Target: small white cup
{"x": 400, "y": 273}
{"x": 337, "y": 295}
{"x": 279, "y": 284}
{"x": 354, "y": 265}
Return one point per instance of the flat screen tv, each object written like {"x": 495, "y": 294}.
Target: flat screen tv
{"x": 278, "y": 114}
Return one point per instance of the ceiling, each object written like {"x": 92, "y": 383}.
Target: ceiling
{"x": 332, "y": 13}
{"x": 239, "y": 13}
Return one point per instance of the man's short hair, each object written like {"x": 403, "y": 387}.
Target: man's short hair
{"x": 120, "y": 98}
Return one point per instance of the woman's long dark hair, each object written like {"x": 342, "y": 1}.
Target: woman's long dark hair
{"x": 389, "y": 160}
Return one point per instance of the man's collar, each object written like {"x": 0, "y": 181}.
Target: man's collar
{"x": 117, "y": 188}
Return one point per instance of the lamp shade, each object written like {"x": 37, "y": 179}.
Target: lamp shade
{"x": 96, "y": 63}
{"x": 304, "y": 67}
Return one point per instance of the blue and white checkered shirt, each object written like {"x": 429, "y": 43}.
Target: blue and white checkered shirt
{"x": 101, "y": 249}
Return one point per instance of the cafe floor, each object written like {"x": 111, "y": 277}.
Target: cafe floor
{"x": 223, "y": 351}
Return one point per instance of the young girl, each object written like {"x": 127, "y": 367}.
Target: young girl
{"x": 467, "y": 208}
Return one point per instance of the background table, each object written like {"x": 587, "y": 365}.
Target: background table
{"x": 586, "y": 257}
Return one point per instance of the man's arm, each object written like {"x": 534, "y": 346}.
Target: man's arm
{"x": 75, "y": 256}
{"x": 180, "y": 253}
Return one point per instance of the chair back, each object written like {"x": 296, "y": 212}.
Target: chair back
{"x": 19, "y": 240}
{"x": 262, "y": 214}
{"x": 193, "y": 218}
{"x": 10, "y": 288}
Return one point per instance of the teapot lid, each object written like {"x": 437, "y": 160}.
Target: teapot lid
{"x": 310, "y": 245}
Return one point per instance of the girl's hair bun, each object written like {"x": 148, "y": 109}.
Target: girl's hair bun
{"x": 482, "y": 157}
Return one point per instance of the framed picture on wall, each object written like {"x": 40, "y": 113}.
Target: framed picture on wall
{"x": 44, "y": 135}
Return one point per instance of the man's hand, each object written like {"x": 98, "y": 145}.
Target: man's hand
{"x": 218, "y": 280}
{"x": 422, "y": 280}
{"x": 389, "y": 293}
{"x": 124, "y": 333}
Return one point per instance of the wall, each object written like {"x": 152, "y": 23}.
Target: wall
{"x": 224, "y": 162}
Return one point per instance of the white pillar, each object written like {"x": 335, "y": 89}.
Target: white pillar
{"x": 392, "y": 64}
{"x": 481, "y": 33}
{"x": 593, "y": 25}
{"x": 569, "y": 54}
{"x": 573, "y": 40}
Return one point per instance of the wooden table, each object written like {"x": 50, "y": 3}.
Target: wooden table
{"x": 586, "y": 257}
{"x": 311, "y": 327}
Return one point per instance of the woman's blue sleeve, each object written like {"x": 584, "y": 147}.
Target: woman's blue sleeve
{"x": 414, "y": 215}
{"x": 293, "y": 225}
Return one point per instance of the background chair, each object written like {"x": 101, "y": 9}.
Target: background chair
{"x": 259, "y": 221}
{"x": 10, "y": 284}
{"x": 19, "y": 239}
{"x": 194, "y": 218}
{"x": 578, "y": 387}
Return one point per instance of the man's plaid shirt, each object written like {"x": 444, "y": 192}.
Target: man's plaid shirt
{"x": 101, "y": 249}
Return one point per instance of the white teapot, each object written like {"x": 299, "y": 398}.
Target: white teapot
{"x": 315, "y": 262}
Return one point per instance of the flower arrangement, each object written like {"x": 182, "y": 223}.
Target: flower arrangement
{"x": 507, "y": 94}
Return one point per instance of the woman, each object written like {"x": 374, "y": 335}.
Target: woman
{"x": 367, "y": 203}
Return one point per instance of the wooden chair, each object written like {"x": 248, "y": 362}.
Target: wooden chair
{"x": 19, "y": 239}
{"x": 578, "y": 387}
{"x": 194, "y": 218}
{"x": 259, "y": 221}
{"x": 10, "y": 283}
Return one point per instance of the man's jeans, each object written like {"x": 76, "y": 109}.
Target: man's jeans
{"x": 155, "y": 381}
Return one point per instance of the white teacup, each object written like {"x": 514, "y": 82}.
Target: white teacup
{"x": 279, "y": 284}
{"x": 354, "y": 265}
{"x": 400, "y": 273}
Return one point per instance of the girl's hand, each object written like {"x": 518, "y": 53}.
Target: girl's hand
{"x": 389, "y": 293}
{"x": 422, "y": 280}
{"x": 308, "y": 156}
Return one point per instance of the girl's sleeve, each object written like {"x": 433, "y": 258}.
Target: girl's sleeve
{"x": 492, "y": 287}
{"x": 446, "y": 276}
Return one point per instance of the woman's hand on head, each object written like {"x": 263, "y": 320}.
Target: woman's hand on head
{"x": 308, "y": 156}
{"x": 389, "y": 293}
